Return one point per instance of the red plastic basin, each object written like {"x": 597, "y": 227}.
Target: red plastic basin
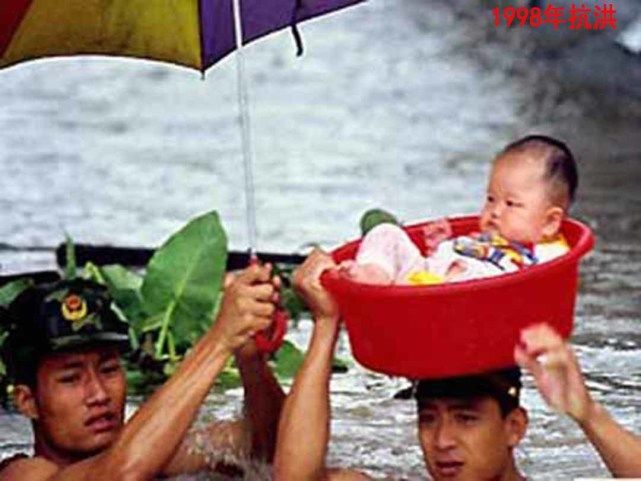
{"x": 456, "y": 328}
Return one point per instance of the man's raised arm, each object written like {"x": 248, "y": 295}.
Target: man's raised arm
{"x": 303, "y": 433}
{"x": 558, "y": 377}
{"x": 150, "y": 439}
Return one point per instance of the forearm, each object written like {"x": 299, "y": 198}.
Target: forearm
{"x": 619, "y": 448}
{"x": 263, "y": 403}
{"x": 304, "y": 427}
{"x": 152, "y": 436}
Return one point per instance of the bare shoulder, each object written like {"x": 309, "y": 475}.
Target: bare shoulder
{"x": 29, "y": 469}
{"x": 346, "y": 475}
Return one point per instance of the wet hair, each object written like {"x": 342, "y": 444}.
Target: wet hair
{"x": 560, "y": 166}
{"x": 504, "y": 386}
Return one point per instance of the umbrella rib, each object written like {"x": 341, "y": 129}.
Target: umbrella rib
{"x": 294, "y": 26}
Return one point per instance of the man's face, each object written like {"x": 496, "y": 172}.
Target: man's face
{"x": 80, "y": 399}
{"x": 468, "y": 439}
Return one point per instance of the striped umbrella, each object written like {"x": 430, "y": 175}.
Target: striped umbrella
{"x": 191, "y": 33}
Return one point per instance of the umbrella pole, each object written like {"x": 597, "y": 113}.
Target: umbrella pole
{"x": 267, "y": 341}
{"x": 245, "y": 131}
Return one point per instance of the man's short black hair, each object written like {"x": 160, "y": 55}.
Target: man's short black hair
{"x": 560, "y": 169}
{"x": 503, "y": 385}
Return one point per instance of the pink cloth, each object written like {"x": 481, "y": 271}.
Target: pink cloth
{"x": 390, "y": 248}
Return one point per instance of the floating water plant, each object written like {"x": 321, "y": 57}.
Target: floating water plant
{"x": 169, "y": 304}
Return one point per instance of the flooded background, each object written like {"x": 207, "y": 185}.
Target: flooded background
{"x": 395, "y": 104}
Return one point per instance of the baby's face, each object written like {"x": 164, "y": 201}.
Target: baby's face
{"x": 517, "y": 202}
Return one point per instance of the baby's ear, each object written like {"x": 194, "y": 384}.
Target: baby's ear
{"x": 553, "y": 219}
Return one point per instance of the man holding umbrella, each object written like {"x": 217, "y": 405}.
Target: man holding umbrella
{"x": 63, "y": 350}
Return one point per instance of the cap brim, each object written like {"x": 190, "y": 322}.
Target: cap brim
{"x": 504, "y": 382}
{"x": 66, "y": 343}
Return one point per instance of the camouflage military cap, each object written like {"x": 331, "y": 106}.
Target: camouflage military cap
{"x": 65, "y": 315}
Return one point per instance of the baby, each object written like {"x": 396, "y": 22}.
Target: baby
{"x": 531, "y": 187}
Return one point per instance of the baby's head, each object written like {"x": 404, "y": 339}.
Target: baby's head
{"x": 530, "y": 189}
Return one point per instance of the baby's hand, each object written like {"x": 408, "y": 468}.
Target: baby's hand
{"x": 455, "y": 270}
{"x": 434, "y": 233}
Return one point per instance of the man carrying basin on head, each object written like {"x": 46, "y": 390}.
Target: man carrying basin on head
{"x": 63, "y": 350}
{"x": 468, "y": 426}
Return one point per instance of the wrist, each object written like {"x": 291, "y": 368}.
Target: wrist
{"x": 591, "y": 415}
{"x": 325, "y": 330}
{"x": 221, "y": 345}
{"x": 326, "y": 319}
{"x": 327, "y": 324}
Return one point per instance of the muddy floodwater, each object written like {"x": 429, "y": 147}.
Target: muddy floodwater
{"x": 395, "y": 104}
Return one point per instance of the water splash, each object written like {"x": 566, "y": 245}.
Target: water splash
{"x": 226, "y": 443}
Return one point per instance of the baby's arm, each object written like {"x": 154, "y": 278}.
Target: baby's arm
{"x": 452, "y": 265}
{"x": 467, "y": 269}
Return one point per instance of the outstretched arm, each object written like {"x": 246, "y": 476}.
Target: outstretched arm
{"x": 303, "y": 433}
{"x": 558, "y": 377}
{"x": 147, "y": 443}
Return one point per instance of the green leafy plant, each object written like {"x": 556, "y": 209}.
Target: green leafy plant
{"x": 10, "y": 291}
{"x": 171, "y": 303}
{"x": 174, "y": 302}
{"x": 182, "y": 283}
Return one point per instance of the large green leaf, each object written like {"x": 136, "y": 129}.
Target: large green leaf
{"x": 13, "y": 289}
{"x": 183, "y": 279}
{"x": 118, "y": 277}
{"x": 124, "y": 286}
